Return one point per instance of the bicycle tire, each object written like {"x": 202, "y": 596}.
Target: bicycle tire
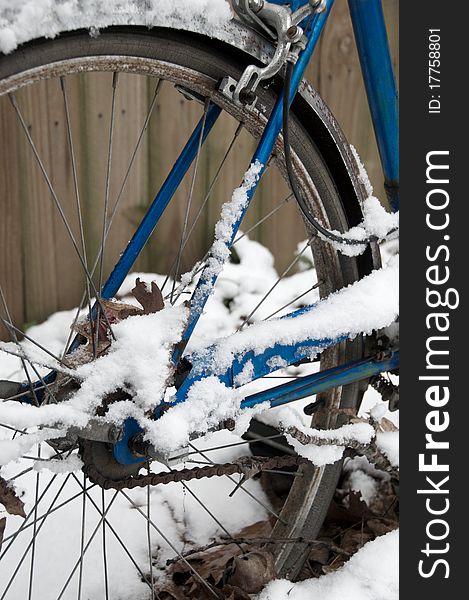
{"x": 310, "y": 495}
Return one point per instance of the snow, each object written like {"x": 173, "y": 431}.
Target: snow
{"x": 362, "y": 173}
{"x": 371, "y": 574}
{"x": 246, "y": 375}
{"x": 175, "y": 511}
{"x": 329, "y": 453}
{"x": 363, "y": 483}
{"x": 388, "y": 443}
{"x": 139, "y": 360}
{"x": 24, "y": 20}
{"x": 367, "y": 305}
{"x": 12, "y": 450}
{"x": 208, "y": 402}
{"x": 231, "y": 213}
{"x": 71, "y": 464}
{"x": 377, "y": 223}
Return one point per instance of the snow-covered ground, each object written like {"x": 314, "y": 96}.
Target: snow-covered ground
{"x": 370, "y": 574}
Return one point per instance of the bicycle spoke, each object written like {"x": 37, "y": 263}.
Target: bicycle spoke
{"x": 109, "y": 525}
{"x": 134, "y": 154}
{"x": 31, "y": 362}
{"x": 241, "y": 486}
{"x": 117, "y": 201}
{"x": 189, "y": 199}
{"x": 40, "y": 346}
{"x": 25, "y": 553}
{"x": 106, "y": 203}
{"x": 181, "y": 289}
{"x": 57, "y": 203}
{"x": 12, "y": 428}
{"x": 77, "y": 191}
{"x": 103, "y": 505}
{"x": 52, "y": 510}
{"x": 23, "y": 524}
{"x": 83, "y": 551}
{"x": 285, "y": 272}
{"x": 206, "y": 199}
{"x": 108, "y": 176}
{"x": 33, "y": 547}
{"x": 150, "y": 557}
{"x": 267, "y": 216}
{"x": 314, "y": 287}
{"x": 260, "y": 439}
{"x": 209, "y": 512}
{"x": 172, "y": 546}
{"x": 21, "y": 354}
{"x": 14, "y": 338}
{"x": 82, "y": 537}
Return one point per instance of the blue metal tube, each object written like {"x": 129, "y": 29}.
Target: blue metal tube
{"x": 262, "y": 155}
{"x": 161, "y": 201}
{"x": 283, "y": 394}
{"x": 322, "y": 381}
{"x": 375, "y": 59}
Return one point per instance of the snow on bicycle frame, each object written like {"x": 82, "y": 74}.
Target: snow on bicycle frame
{"x": 262, "y": 348}
{"x": 249, "y": 362}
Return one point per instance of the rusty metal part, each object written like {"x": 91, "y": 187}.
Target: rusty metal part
{"x": 246, "y": 466}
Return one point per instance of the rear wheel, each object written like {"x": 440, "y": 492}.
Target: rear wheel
{"x": 59, "y": 100}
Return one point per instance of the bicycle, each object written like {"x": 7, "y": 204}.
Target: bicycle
{"x": 251, "y": 69}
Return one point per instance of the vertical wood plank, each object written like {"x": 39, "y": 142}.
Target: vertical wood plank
{"x": 335, "y": 72}
{"x": 11, "y": 232}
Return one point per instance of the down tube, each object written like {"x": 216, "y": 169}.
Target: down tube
{"x": 375, "y": 59}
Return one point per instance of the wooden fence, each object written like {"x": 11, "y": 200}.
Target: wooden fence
{"x": 38, "y": 273}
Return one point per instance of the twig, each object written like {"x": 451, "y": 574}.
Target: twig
{"x": 258, "y": 541}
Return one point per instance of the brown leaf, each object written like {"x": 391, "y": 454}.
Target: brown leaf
{"x": 259, "y": 529}
{"x": 217, "y": 567}
{"x": 234, "y": 593}
{"x": 152, "y": 301}
{"x": 387, "y": 425}
{"x": 354, "y": 539}
{"x": 252, "y": 571}
{"x": 320, "y": 554}
{"x": 358, "y": 508}
{"x": 209, "y": 564}
{"x": 381, "y": 526}
{"x": 9, "y": 499}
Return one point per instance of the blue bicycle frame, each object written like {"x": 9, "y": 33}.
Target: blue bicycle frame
{"x": 372, "y": 43}
{"x": 371, "y": 37}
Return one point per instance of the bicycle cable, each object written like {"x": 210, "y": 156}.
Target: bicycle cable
{"x": 329, "y": 235}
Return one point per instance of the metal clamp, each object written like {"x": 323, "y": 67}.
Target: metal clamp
{"x": 279, "y": 23}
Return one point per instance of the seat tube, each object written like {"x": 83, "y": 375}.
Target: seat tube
{"x": 375, "y": 59}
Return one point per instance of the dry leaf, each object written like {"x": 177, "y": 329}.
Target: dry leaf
{"x": 381, "y": 526}
{"x": 386, "y": 425}
{"x": 9, "y": 499}
{"x": 152, "y": 301}
{"x": 252, "y": 571}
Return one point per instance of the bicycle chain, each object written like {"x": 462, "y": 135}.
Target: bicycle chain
{"x": 247, "y": 466}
